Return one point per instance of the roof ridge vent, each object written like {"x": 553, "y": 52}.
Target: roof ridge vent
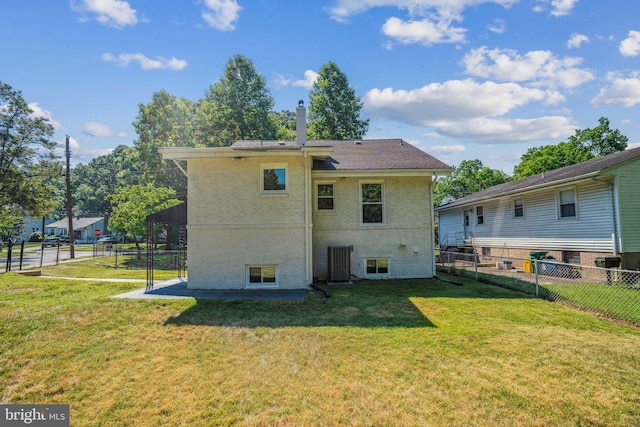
{"x": 357, "y": 142}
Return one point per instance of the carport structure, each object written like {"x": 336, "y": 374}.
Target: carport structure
{"x": 176, "y": 216}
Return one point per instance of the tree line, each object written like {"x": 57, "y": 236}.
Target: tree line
{"x": 133, "y": 181}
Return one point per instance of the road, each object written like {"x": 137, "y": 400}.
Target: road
{"x": 33, "y": 256}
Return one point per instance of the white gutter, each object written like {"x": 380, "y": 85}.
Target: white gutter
{"x": 308, "y": 249}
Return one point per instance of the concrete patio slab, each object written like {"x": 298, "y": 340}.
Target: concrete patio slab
{"x": 177, "y": 289}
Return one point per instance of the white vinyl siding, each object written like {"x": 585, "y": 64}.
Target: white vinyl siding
{"x": 591, "y": 230}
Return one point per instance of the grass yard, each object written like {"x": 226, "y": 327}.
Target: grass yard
{"x": 104, "y": 268}
{"x": 413, "y": 352}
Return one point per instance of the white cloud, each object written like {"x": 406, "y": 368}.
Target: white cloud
{"x": 222, "y": 14}
{"x": 99, "y": 130}
{"x": 558, "y": 7}
{"x": 633, "y": 145}
{"x": 577, "y": 40}
{"x": 113, "y": 13}
{"x": 468, "y": 110}
{"x": 446, "y": 150}
{"x": 454, "y": 99}
{"x": 310, "y": 78}
{"x": 45, "y": 114}
{"x": 342, "y": 10}
{"x": 621, "y": 91}
{"x": 507, "y": 130}
{"x": 631, "y": 45}
{"x": 498, "y": 26}
{"x": 307, "y": 82}
{"x": 538, "y": 67}
{"x": 426, "y": 31}
{"x": 157, "y": 63}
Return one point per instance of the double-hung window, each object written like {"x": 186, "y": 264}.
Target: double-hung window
{"x": 372, "y": 201}
{"x": 326, "y": 197}
{"x": 567, "y": 203}
{"x": 480, "y": 215}
{"x": 518, "y": 207}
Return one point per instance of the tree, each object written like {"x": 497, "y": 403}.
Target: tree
{"x": 334, "y": 108}
{"x": 91, "y": 183}
{"x": 167, "y": 121}
{"x": 285, "y": 124}
{"x": 28, "y": 163}
{"x": 132, "y": 205}
{"x": 470, "y": 177}
{"x": 11, "y": 222}
{"x": 585, "y": 144}
{"x": 236, "y": 107}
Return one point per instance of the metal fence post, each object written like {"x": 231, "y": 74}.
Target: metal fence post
{"x": 475, "y": 264}
{"x": 535, "y": 262}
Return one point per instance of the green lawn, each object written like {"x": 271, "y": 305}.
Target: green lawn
{"x": 105, "y": 268}
{"x": 413, "y": 352}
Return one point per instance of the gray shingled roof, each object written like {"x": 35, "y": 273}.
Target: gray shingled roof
{"x": 370, "y": 154}
{"x": 568, "y": 173}
{"x": 366, "y": 154}
{"x": 78, "y": 223}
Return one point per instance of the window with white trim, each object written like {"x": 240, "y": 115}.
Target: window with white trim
{"x": 262, "y": 275}
{"x": 273, "y": 178}
{"x": 377, "y": 266}
{"x": 372, "y": 202}
{"x": 518, "y": 207}
{"x": 567, "y": 203}
{"x": 480, "y": 215}
{"x": 325, "y": 196}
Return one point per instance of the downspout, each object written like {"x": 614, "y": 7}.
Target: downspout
{"x": 432, "y": 220}
{"x": 307, "y": 221}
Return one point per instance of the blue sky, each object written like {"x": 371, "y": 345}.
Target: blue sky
{"x": 461, "y": 79}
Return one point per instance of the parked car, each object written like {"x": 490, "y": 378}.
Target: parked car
{"x": 51, "y": 241}
{"x": 106, "y": 239}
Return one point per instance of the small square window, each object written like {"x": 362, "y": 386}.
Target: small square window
{"x": 274, "y": 179}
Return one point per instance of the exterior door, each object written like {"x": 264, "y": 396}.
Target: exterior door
{"x": 465, "y": 219}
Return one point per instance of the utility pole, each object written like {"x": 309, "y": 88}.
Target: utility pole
{"x": 69, "y": 210}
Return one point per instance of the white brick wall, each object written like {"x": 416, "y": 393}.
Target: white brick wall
{"x": 405, "y": 239}
{"x": 231, "y": 225}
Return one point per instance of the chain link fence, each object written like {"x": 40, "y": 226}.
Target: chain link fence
{"x": 612, "y": 292}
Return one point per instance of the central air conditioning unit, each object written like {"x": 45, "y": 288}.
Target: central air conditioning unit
{"x": 339, "y": 260}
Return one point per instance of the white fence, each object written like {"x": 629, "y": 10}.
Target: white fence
{"x": 608, "y": 291}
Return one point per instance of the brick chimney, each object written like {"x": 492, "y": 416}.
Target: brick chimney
{"x": 301, "y": 123}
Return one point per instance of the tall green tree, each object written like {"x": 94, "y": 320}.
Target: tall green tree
{"x": 585, "y": 144}
{"x": 334, "y": 108}
{"x": 131, "y": 206}
{"x": 167, "y": 121}
{"x": 236, "y": 107}
{"x": 469, "y": 177}
{"x": 285, "y": 124}
{"x": 28, "y": 163}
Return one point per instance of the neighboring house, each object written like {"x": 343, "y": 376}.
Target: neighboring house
{"x": 83, "y": 229}
{"x": 576, "y": 213}
{"x": 274, "y": 214}
{"x": 32, "y": 225}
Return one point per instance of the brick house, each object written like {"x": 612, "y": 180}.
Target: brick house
{"x": 276, "y": 214}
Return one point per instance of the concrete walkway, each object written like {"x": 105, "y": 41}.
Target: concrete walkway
{"x": 177, "y": 289}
